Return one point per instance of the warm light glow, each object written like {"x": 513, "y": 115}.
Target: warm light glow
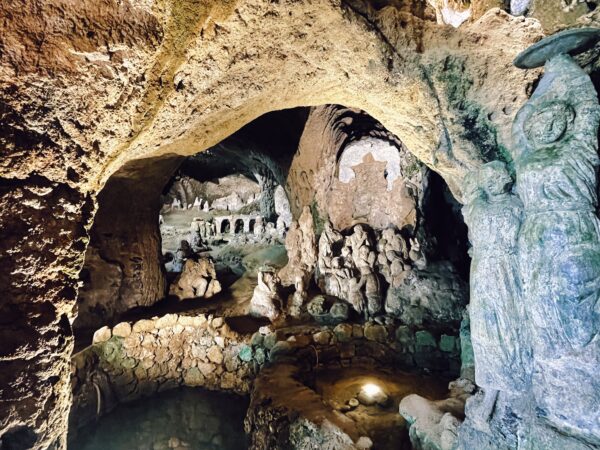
{"x": 371, "y": 389}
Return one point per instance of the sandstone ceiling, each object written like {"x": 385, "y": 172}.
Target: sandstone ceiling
{"x": 89, "y": 85}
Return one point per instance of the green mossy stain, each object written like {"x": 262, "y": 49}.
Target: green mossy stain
{"x": 425, "y": 339}
{"x": 476, "y": 125}
{"x": 245, "y": 353}
{"x": 111, "y": 351}
{"x": 318, "y": 220}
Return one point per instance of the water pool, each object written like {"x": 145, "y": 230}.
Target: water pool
{"x": 184, "y": 418}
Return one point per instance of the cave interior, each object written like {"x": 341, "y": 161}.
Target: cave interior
{"x": 230, "y": 226}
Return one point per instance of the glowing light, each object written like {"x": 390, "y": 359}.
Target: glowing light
{"x": 371, "y": 389}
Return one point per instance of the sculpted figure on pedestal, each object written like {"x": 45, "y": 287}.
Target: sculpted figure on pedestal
{"x": 500, "y": 341}
{"x": 298, "y": 298}
{"x": 300, "y": 243}
{"x": 556, "y": 160}
{"x": 266, "y": 300}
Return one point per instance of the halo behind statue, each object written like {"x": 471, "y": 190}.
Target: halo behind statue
{"x": 573, "y": 42}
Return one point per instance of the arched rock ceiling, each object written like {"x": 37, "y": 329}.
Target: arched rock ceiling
{"x": 155, "y": 78}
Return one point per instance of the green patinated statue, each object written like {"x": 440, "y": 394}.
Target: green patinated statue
{"x": 556, "y": 160}
{"x": 500, "y": 342}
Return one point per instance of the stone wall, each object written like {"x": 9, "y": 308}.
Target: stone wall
{"x": 132, "y": 360}
{"x": 278, "y": 416}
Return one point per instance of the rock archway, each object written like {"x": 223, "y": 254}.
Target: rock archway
{"x": 133, "y": 81}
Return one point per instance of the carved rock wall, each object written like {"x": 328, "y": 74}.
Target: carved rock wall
{"x": 123, "y": 267}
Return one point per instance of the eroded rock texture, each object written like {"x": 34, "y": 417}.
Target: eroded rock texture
{"x": 123, "y": 264}
{"x": 88, "y": 86}
{"x": 42, "y": 240}
{"x": 354, "y": 170}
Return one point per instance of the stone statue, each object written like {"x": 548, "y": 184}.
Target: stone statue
{"x": 357, "y": 240}
{"x": 335, "y": 278}
{"x": 392, "y": 253}
{"x": 500, "y": 342}
{"x": 266, "y": 300}
{"x": 329, "y": 237}
{"x": 300, "y": 243}
{"x": 416, "y": 254}
{"x": 197, "y": 279}
{"x": 346, "y": 253}
{"x": 556, "y": 159}
{"x": 280, "y": 226}
{"x": 259, "y": 227}
{"x": 355, "y": 295}
{"x": 208, "y": 229}
{"x": 298, "y": 298}
{"x": 372, "y": 288}
{"x": 196, "y": 241}
{"x": 183, "y": 252}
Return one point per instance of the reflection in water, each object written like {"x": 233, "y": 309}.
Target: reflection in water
{"x": 179, "y": 419}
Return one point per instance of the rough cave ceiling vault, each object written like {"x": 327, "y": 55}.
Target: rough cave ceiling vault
{"x": 180, "y": 78}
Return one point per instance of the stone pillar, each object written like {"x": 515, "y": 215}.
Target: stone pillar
{"x": 123, "y": 267}
{"x": 267, "y": 197}
{"x": 42, "y": 242}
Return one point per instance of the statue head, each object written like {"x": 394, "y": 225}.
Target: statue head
{"x": 358, "y": 229}
{"x": 564, "y": 103}
{"x": 363, "y": 252}
{"x": 548, "y": 123}
{"x": 494, "y": 178}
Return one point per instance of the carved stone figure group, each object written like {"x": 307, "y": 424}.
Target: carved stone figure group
{"x": 204, "y": 228}
{"x": 535, "y": 274}
{"x": 350, "y": 267}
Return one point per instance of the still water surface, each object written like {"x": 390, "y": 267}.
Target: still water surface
{"x": 181, "y": 419}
